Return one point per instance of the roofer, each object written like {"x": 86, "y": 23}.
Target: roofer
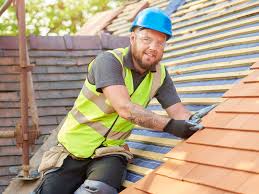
{"x": 91, "y": 156}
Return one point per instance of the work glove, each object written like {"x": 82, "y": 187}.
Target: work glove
{"x": 182, "y": 128}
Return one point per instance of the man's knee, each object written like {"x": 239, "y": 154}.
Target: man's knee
{"x": 95, "y": 187}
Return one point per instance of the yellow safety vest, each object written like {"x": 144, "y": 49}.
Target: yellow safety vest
{"x": 93, "y": 122}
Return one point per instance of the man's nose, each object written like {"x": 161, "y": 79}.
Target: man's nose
{"x": 154, "y": 45}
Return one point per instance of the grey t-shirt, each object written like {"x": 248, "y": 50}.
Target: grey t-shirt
{"x": 106, "y": 71}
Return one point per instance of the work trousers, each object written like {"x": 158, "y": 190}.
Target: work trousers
{"x": 108, "y": 169}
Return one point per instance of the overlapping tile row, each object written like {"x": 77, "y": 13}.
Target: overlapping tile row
{"x": 60, "y": 65}
{"x": 223, "y": 157}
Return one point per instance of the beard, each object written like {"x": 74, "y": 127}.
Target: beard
{"x": 144, "y": 61}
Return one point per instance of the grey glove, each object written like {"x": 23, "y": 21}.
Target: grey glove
{"x": 182, "y": 128}
{"x": 197, "y": 116}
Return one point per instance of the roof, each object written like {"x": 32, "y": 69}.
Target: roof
{"x": 223, "y": 157}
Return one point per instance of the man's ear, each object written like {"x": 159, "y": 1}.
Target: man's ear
{"x": 132, "y": 37}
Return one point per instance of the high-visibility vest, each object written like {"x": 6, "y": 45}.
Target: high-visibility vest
{"x": 93, "y": 122}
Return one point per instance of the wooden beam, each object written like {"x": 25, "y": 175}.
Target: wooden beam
{"x": 202, "y": 89}
{"x": 192, "y": 3}
{"x": 139, "y": 169}
{"x": 211, "y": 46}
{"x": 154, "y": 140}
{"x": 211, "y": 66}
{"x": 214, "y": 38}
{"x": 214, "y": 30}
{"x": 215, "y": 23}
{"x": 210, "y": 13}
{"x": 127, "y": 183}
{"x": 221, "y": 54}
{"x": 120, "y": 28}
{"x": 196, "y": 8}
{"x": 203, "y": 101}
{"x": 229, "y": 75}
{"x": 159, "y": 4}
{"x": 147, "y": 154}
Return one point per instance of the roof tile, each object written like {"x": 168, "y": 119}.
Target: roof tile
{"x": 176, "y": 169}
{"x": 232, "y": 180}
{"x": 218, "y": 156}
{"x": 158, "y": 184}
{"x": 238, "y": 121}
{"x": 200, "y": 175}
{"x": 252, "y": 78}
{"x": 248, "y": 90}
{"x": 227, "y": 138}
{"x": 215, "y": 137}
{"x": 255, "y": 65}
{"x": 250, "y": 186}
{"x": 216, "y": 120}
{"x": 239, "y": 105}
{"x": 252, "y": 123}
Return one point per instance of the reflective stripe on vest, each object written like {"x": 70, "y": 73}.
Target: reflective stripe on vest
{"x": 93, "y": 122}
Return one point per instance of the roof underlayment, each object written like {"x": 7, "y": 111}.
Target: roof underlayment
{"x": 214, "y": 45}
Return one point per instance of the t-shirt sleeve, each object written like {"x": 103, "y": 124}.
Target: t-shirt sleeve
{"x": 166, "y": 94}
{"x": 106, "y": 70}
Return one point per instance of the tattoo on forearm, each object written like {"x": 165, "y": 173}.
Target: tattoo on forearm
{"x": 145, "y": 118}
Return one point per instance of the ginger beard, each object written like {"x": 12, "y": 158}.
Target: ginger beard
{"x": 146, "y": 58}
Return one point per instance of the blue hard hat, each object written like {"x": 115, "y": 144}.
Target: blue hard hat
{"x": 155, "y": 19}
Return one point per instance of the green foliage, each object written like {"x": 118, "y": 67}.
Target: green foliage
{"x": 54, "y": 17}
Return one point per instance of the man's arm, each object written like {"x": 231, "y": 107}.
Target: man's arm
{"x": 178, "y": 111}
{"x": 120, "y": 100}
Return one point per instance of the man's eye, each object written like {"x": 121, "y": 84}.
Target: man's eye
{"x": 147, "y": 40}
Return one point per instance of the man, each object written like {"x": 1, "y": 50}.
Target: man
{"x": 118, "y": 87}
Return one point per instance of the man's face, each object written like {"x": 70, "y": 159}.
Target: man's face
{"x": 147, "y": 48}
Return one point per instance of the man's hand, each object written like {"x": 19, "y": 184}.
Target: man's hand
{"x": 197, "y": 116}
{"x": 182, "y": 128}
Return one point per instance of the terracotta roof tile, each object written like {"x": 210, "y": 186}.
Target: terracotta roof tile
{"x": 255, "y": 66}
{"x": 216, "y": 156}
{"x": 227, "y": 138}
{"x": 215, "y": 137}
{"x": 239, "y": 105}
{"x": 248, "y": 90}
{"x": 238, "y": 121}
{"x": 252, "y": 123}
{"x": 199, "y": 174}
{"x": 252, "y": 78}
{"x": 250, "y": 186}
{"x": 207, "y": 175}
{"x": 232, "y": 180}
{"x": 176, "y": 169}
{"x": 216, "y": 120}
{"x": 158, "y": 184}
